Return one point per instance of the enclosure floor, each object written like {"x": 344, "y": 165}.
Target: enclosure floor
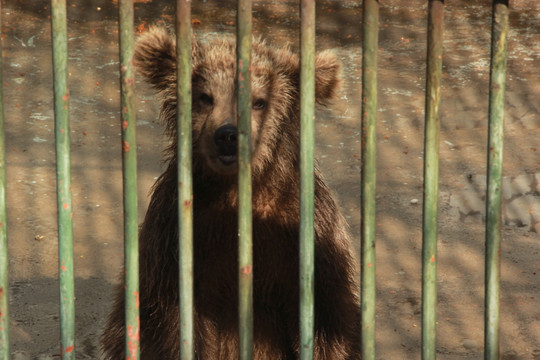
{"x": 96, "y": 150}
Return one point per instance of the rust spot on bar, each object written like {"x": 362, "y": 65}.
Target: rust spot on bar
{"x": 65, "y": 206}
{"x": 134, "y": 335}
{"x": 66, "y": 96}
{"x": 125, "y": 123}
{"x": 69, "y": 349}
{"x": 369, "y": 265}
{"x": 432, "y": 259}
{"x": 63, "y": 268}
{"x": 1, "y": 291}
{"x": 133, "y": 341}
{"x": 130, "y": 81}
{"x": 246, "y": 270}
{"x": 125, "y": 146}
{"x": 136, "y": 294}
{"x": 188, "y": 203}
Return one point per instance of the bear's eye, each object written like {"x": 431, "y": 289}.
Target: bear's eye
{"x": 206, "y": 99}
{"x": 259, "y": 104}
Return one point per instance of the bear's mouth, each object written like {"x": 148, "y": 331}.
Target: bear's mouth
{"x": 227, "y": 160}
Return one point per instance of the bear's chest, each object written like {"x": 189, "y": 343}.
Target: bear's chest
{"x": 275, "y": 258}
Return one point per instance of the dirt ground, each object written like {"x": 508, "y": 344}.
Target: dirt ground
{"x": 96, "y": 149}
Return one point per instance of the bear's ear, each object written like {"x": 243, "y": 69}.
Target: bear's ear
{"x": 155, "y": 57}
{"x": 327, "y": 76}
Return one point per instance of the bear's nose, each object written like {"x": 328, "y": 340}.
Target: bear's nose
{"x": 226, "y": 138}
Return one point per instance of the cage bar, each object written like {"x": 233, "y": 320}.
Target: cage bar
{"x": 63, "y": 176}
{"x": 4, "y": 259}
{"x": 185, "y": 182}
{"x": 368, "y": 157}
{"x": 431, "y": 178}
{"x": 129, "y": 178}
{"x": 497, "y": 83}
{"x": 245, "y": 258}
{"x": 307, "y": 140}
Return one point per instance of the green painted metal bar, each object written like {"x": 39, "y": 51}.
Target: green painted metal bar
{"x": 497, "y": 82}
{"x": 431, "y": 179}
{"x": 307, "y": 140}
{"x": 245, "y": 247}
{"x": 129, "y": 177}
{"x": 368, "y": 182}
{"x": 4, "y": 259}
{"x": 185, "y": 179}
{"x": 63, "y": 175}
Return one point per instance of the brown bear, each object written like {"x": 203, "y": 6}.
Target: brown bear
{"x": 275, "y": 188}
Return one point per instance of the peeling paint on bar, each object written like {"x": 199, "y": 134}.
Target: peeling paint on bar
{"x": 129, "y": 177}
{"x": 431, "y": 178}
{"x": 63, "y": 175}
{"x": 185, "y": 187}
{"x": 367, "y": 220}
{"x": 4, "y": 279}
{"x": 307, "y": 185}
{"x": 245, "y": 258}
{"x": 497, "y": 81}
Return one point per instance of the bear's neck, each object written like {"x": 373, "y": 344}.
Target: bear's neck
{"x": 274, "y": 193}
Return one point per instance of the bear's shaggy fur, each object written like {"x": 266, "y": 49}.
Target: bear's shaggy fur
{"x": 275, "y": 163}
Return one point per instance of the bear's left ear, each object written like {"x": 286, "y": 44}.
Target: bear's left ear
{"x": 327, "y": 76}
{"x": 155, "y": 57}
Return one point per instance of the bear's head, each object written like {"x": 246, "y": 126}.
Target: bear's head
{"x": 275, "y": 98}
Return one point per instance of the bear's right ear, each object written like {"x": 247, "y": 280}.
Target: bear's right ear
{"x": 155, "y": 57}
{"x": 327, "y": 76}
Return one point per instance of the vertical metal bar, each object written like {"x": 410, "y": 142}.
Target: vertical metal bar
{"x": 431, "y": 178}
{"x": 307, "y": 140}
{"x": 4, "y": 259}
{"x": 497, "y": 82}
{"x": 185, "y": 183}
{"x": 63, "y": 175}
{"x": 368, "y": 182}
{"x": 245, "y": 261}
{"x": 129, "y": 173}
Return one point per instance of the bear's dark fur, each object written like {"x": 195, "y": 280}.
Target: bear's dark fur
{"x": 275, "y": 163}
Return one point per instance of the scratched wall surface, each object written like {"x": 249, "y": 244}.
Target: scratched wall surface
{"x": 96, "y": 156}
